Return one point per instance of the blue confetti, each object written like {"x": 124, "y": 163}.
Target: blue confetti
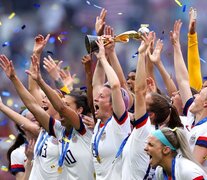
{"x": 51, "y": 40}
{"x": 88, "y": 2}
{"x": 184, "y": 8}
{"x": 5, "y": 93}
{"x": 36, "y": 5}
{"x": 99, "y": 7}
{"x": 202, "y": 60}
{"x": 135, "y": 55}
{"x": 6, "y": 44}
{"x": 24, "y": 26}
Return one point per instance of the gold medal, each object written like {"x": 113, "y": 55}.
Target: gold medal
{"x": 98, "y": 159}
{"x": 60, "y": 169}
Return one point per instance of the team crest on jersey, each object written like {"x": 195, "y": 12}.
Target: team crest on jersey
{"x": 193, "y": 138}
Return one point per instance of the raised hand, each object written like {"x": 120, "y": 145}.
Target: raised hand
{"x": 192, "y": 20}
{"x": 146, "y": 40}
{"x": 101, "y": 52}
{"x": 151, "y": 87}
{"x": 52, "y": 68}
{"x": 100, "y": 22}
{"x": 175, "y": 34}
{"x": 40, "y": 43}
{"x": 155, "y": 56}
{"x": 88, "y": 121}
{"x": 35, "y": 73}
{"x": 109, "y": 34}
{"x": 68, "y": 80}
{"x": 7, "y": 66}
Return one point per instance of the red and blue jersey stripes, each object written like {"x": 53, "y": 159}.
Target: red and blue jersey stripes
{"x": 122, "y": 119}
{"x": 199, "y": 178}
{"x": 140, "y": 122}
{"x": 15, "y": 168}
{"x": 202, "y": 141}
{"x": 187, "y": 105}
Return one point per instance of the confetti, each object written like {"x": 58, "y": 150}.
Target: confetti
{"x": 184, "y": 8}
{"x": 8, "y": 140}
{"x": 4, "y": 168}
{"x": 99, "y": 7}
{"x": 135, "y": 54}
{"x": 88, "y": 2}
{"x": 0, "y": 23}
{"x": 52, "y": 40}
{"x": 120, "y": 13}
{"x": 9, "y": 102}
{"x": 24, "y": 26}
{"x": 202, "y": 60}
{"x": 6, "y": 44}
{"x": 11, "y": 15}
{"x": 50, "y": 52}
{"x": 59, "y": 39}
{"x": 179, "y": 3}
{"x": 5, "y": 93}
{"x": 12, "y": 137}
{"x": 36, "y": 5}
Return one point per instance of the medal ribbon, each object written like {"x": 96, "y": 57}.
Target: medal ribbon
{"x": 41, "y": 142}
{"x": 173, "y": 171}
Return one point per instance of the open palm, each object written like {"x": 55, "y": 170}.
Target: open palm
{"x": 7, "y": 66}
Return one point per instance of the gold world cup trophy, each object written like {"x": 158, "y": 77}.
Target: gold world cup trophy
{"x": 90, "y": 40}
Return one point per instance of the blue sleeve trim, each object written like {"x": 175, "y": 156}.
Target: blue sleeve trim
{"x": 187, "y": 105}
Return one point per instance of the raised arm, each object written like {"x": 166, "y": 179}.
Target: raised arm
{"x": 180, "y": 68}
{"x": 87, "y": 62}
{"x": 40, "y": 114}
{"x": 39, "y": 44}
{"x": 58, "y": 103}
{"x": 140, "y": 80}
{"x": 194, "y": 66}
{"x": 19, "y": 119}
{"x": 114, "y": 61}
{"x": 100, "y": 22}
{"x": 155, "y": 57}
{"x": 117, "y": 100}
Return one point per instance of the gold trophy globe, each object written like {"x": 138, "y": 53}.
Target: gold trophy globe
{"x": 90, "y": 40}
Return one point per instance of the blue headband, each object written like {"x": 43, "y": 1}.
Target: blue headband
{"x": 161, "y": 137}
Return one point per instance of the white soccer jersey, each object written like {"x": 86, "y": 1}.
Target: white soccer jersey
{"x": 114, "y": 133}
{"x": 78, "y": 161}
{"x": 135, "y": 159}
{"x": 18, "y": 159}
{"x": 46, "y": 163}
{"x": 184, "y": 169}
{"x": 198, "y": 133}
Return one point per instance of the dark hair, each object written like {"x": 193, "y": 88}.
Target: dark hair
{"x": 81, "y": 101}
{"x": 164, "y": 111}
{"x": 20, "y": 139}
{"x": 193, "y": 91}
